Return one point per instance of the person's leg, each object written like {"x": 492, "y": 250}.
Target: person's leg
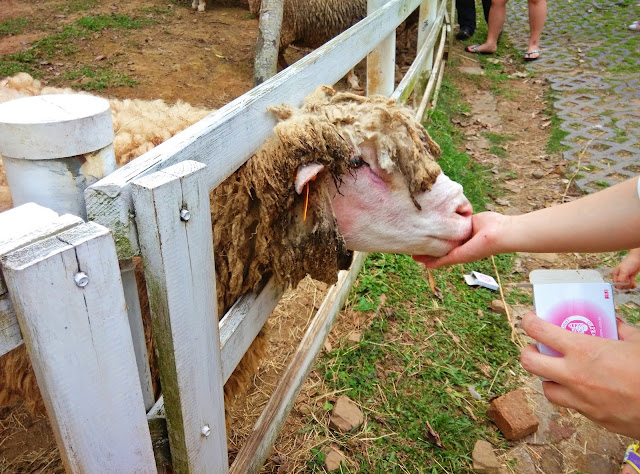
{"x": 496, "y": 21}
{"x": 466, "y": 18}
{"x": 537, "y": 17}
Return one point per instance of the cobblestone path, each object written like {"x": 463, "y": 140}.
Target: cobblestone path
{"x": 592, "y": 61}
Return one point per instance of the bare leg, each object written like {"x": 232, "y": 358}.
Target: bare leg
{"x": 537, "y": 17}
{"x": 496, "y": 22}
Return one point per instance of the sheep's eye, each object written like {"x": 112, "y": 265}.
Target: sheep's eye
{"x": 356, "y": 162}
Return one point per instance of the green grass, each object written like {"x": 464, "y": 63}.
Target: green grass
{"x": 114, "y": 22}
{"x": 455, "y": 164}
{"x": 71, "y": 6}
{"x": 554, "y": 145}
{"x": 97, "y": 80}
{"x": 65, "y": 43}
{"x": 157, "y": 11}
{"x": 415, "y": 363}
{"x": 13, "y": 26}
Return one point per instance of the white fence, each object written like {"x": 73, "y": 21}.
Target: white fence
{"x": 61, "y": 286}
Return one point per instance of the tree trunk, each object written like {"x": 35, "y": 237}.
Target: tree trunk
{"x": 268, "y": 44}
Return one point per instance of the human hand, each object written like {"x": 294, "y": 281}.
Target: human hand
{"x": 598, "y": 377}
{"x": 488, "y": 229}
{"x": 627, "y": 270}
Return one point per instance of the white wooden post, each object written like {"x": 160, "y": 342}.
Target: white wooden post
{"x": 381, "y": 62}
{"x": 53, "y": 147}
{"x": 68, "y": 297}
{"x": 174, "y": 226}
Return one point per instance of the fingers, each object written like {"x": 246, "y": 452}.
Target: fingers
{"x": 561, "y": 396}
{"x": 549, "y": 334}
{"x": 542, "y": 365}
{"x": 620, "y": 275}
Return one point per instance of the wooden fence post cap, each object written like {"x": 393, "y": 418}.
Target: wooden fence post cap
{"x": 54, "y": 126}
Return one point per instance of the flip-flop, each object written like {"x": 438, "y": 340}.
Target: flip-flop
{"x": 473, "y": 49}
{"x": 632, "y": 458}
{"x": 526, "y": 53}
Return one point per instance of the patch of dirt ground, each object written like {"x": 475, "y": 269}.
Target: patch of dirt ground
{"x": 206, "y": 60}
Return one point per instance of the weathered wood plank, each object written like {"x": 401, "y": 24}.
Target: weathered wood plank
{"x": 68, "y": 298}
{"x": 381, "y": 61}
{"x": 137, "y": 331}
{"x": 253, "y": 453}
{"x": 243, "y": 321}
{"x": 174, "y": 222}
{"x": 25, "y": 224}
{"x": 408, "y": 82}
{"x": 227, "y": 138}
{"x": 20, "y": 227}
{"x": 438, "y": 64}
{"x": 10, "y": 335}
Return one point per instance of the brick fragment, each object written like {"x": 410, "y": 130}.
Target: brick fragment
{"x": 512, "y": 415}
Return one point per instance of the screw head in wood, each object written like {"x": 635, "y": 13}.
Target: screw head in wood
{"x": 81, "y": 279}
{"x": 206, "y": 431}
{"x": 185, "y": 215}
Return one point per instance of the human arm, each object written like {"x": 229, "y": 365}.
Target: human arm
{"x": 604, "y": 221}
{"x": 598, "y": 377}
{"x": 627, "y": 270}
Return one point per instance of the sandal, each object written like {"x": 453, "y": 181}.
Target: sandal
{"x": 474, "y": 49}
{"x": 632, "y": 458}
{"x": 526, "y": 53}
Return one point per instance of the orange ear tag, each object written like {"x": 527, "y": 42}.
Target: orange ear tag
{"x": 306, "y": 204}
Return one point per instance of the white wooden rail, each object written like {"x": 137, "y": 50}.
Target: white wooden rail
{"x": 157, "y": 206}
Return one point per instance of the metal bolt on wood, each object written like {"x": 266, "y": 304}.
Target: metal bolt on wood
{"x": 185, "y": 215}
{"x": 206, "y": 431}
{"x": 81, "y": 279}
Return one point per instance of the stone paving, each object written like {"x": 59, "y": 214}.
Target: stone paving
{"x": 592, "y": 62}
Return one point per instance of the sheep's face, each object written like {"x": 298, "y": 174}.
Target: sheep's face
{"x": 392, "y": 196}
{"x": 376, "y": 213}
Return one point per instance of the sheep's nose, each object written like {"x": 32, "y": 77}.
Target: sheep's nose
{"x": 465, "y": 209}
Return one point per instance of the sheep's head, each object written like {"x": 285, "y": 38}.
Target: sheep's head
{"x": 391, "y": 195}
{"x": 343, "y": 172}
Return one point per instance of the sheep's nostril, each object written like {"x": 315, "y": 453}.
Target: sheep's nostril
{"x": 465, "y": 209}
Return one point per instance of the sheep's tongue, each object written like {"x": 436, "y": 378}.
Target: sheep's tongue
{"x": 307, "y": 173}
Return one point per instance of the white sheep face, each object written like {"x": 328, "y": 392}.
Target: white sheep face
{"x": 375, "y": 212}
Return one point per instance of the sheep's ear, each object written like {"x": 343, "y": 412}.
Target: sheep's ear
{"x": 307, "y": 173}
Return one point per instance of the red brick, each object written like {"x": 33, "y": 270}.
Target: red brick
{"x": 513, "y": 416}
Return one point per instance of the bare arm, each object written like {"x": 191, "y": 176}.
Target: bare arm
{"x": 605, "y": 221}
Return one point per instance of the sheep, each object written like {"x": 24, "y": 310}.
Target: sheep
{"x": 341, "y": 173}
{"x": 311, "y": 23}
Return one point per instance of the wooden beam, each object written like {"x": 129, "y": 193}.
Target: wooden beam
{"x": 19, "y": 227}
{"x": 408, "y": 82}
{"x": 255, "y": 450}
{"x": 174, "y": 220}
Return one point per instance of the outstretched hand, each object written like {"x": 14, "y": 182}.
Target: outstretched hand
{"x": 598, "y": 377}
{"x": 488, "y": 228}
